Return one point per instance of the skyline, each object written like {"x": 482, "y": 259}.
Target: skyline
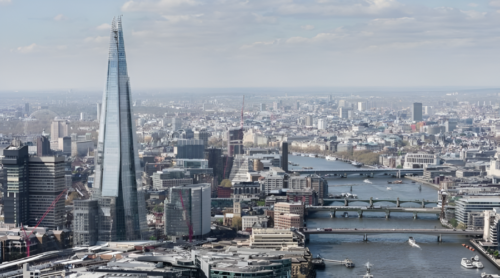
{"x": 279, "y": 43}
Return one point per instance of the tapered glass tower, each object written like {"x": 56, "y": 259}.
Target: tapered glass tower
{"x": 122, "y": 213}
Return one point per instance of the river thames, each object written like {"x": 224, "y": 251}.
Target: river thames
{"x": 390, "y": 255}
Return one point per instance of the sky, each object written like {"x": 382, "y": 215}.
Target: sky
{"x": 62, "y": 45}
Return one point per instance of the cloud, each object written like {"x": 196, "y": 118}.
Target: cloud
{"x": 257, "y": 44}
{"x": 98, "y": 39}
{"x": 181, "y": 18}
{"x": 161, "y": 5}
{"x": 307, "y": 27}
{"x": 104, "y": 26}
{"x": 5, "y": 2}
{"x": 264, "y": 19}
{"x": 27, "y": 49}
{"x": 473, "y": 5}
{"x": 60, "y": 17}
{"x": 495, "y": 3}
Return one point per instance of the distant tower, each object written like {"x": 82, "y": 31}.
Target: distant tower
{"x": 416, "y": 112}
{"x": 284, "y": 156}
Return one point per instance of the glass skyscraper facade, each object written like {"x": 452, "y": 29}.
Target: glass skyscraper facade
{"x": 122, "y": 213}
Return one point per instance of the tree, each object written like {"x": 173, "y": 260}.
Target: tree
{"x": 152, "y": 238}
{"x": 236, "y": 223}
{"x": 462, "y": 226}
{"x": 158, "y": 208}
{"x": 453, "y": 222}
{"x": 225, "y": 183}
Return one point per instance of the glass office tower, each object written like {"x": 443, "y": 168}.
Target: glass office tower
{"x": 122, "y": 213}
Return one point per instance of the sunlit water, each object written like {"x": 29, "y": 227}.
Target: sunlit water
{"x": 390, "y": 255}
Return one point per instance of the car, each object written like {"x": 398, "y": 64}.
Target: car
{"x": 454, "y": 229}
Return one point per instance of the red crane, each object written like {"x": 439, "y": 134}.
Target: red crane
{"x": 51, "y": 207}
{"x": 188, "y": 222}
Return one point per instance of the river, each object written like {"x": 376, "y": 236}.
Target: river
{"x": 390, "y": 255}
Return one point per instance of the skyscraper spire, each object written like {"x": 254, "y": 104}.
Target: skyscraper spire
{"x": 118, "y": 184}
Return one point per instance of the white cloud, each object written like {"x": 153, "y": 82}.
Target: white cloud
{"x": 257, "y": 44}
{"x": 60, "y": 17}
{"x": 473, "y": 5}
{"x": 61, "y": 47}
{"x": 495, "y": 3}
{"x": 27, "y": 49}
{"x": 474, "y": 14}
{"x": 264, "y": 19}
{"x": 307, "y": 27}
{"x": 98, "y": 39}
{"x": 161, "y": 5}
{"x": 104, "y": 26}
{"x": 181, "y": 18}
{"x": 5, "y": 1}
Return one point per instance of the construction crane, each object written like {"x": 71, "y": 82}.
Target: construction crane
{"x": 51, "y": 207}
{"x": 188, "y": 222}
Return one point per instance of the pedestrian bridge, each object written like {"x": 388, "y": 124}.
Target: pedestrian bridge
{"x": 372, "y": 201}
{"x": 367, "y": 172}
{"x": 361, "y": 210}
{"x": 365, "y": 232}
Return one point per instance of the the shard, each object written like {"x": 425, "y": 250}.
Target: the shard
{"x": 118, "y": 176}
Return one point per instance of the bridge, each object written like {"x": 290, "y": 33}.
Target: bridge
{"x": 360, "y": 210}
{"x": 439, "y": 232}
{"x": 367, "y": 172}
{"x": 371, "y": 201}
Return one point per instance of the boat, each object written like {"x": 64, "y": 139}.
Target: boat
{"x": 388, "y": 188}
{"x": 466, "y": 263}
{"x": 312, "y": 155}
{"x": 395, "y": 182}
{"x": 368, "y": 274}
{"x": 318, "y": 262}
{"x": 356, "y": 164}
{"x": 476, "y": 263}
{"x": 367, "y": 181}
{"x": 412, "y": 242}
{"x": 348, "y": 263}
{"x": 332, "y": 158}
{"x": 484, "y": 275}
{"x": 303, "y": 154}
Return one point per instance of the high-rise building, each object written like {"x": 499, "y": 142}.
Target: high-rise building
{"x": 451, "y": 125}
{"x": 190, "y": 148}
{"x": 15, "y": 182}
{"x": 65, "y": 145}
{"x": 118, "y": 173}
{"x": 83, "y": 116}
{"x": 42, "y": 146}
{"x": 262, "y": 107}
{"x": 46, "y": 181}
{"x": 309, "y": 120}
{"x": 362, "y": 106}
{"x": 58, "y": 129}
{"x": 321, "y": 124}
{"x": 284, "y": 156}
{"x": 85, "y": 229}
{"x": 416, "y": 112}
{"x": 235, "y": 141}
{"x": 176, "y": 123}
{"x": 27, "y": 108}
{"x": 344, "y": 112}
{"x": 202, "y": 135}
{"x": 428, "y": 110}
{"x": 188, "y": 207}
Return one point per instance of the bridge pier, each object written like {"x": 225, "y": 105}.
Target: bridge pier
{"x": 440, "y": 238}
{"x": 423, "y": 204}
{"x": 387, "y": 214}
{"x": 346, "y": 202}
{"x": 371, "y": 202}
{"x": 307, "y": 238}
{"x": 360, "y": 213}
{"x": 332, "y": 214}
{"x": 397, "y": 203}
{"x": 365, "y": 237}
{"x": 414, "y": 215}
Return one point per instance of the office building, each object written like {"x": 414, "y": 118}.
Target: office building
{"x": 190, "y": 148}
{"x": 47, "y": 180}
{"x": 322, "y": 124}
{"x": 65, "y": 145}
{"x": 450, "y": 125}
{"x": 318, "y": 184}
{"x": 58, "y": 129}
{"x": 362, "y": 106}
{"x": 83, "y": 116}
{"x": 416, "y": 112}
{"x": 80, "y": 148}
{"x": 470, "y": 204}
{"x": 272, "y": 181}
{"x": 235, "y": 141}
{"x": 272, "y": 238}
{"x": 176, "y": 123}
{"x": 15, "y": 184}
{"x": 188, "y": 208}
{"x": 288, "y": 215}
{"x": 191, "y": 163}
{"x": 262, "y": 107}
{"x": 241, "y": 169}
{"x": 284, "y": 156}
{"x": 253, "y": 221}
{"x": 202, "y": 135}
{"x": 42, "y": 146}
{"x": 171, "y": 177}
{"x": 344, "y": 112}
{"x": 118, "y": 173}
{"x": 428, "y": 110}
{"x": 309, "y": 120}
{"x": 27, "y": 109}
{"x": 86, "y": 222}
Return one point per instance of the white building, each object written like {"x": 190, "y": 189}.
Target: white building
{"x": 419, "y": 160}
{"x": 362, "y": 106}
{"x": 321, "y": 124}
{"x": 253, "y": 221}
{"x": 272, "y": 238}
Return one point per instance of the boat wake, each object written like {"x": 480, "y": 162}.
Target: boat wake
{"x": 367, "y": 181}
{"x": 412, "y": 243}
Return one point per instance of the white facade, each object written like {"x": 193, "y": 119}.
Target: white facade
{"x": 362, "y": 106}
{"x": 419, "y": 160}
{"x": 321, "y": 124}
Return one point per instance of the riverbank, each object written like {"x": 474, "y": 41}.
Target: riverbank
{"x": 481, "y": 250}
{"x": 422, "y": 181}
